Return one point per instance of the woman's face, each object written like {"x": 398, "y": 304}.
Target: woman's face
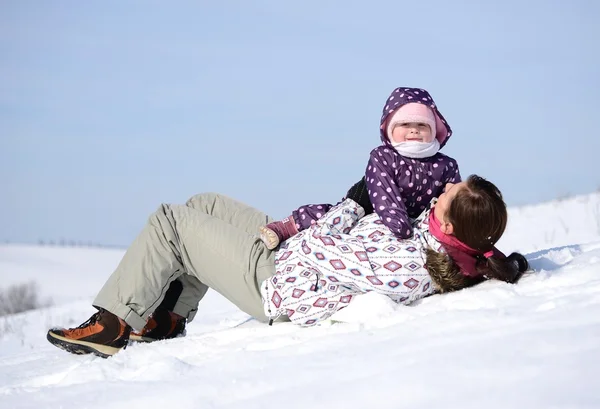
{"x": 443, "y": 204}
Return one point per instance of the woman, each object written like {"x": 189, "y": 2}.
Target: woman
{"x": 211, "y": 242}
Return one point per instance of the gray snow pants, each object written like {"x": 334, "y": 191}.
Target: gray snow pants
{"x": 210, "y": 242}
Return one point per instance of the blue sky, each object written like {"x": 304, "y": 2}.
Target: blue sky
{"x": 108, "y": 109}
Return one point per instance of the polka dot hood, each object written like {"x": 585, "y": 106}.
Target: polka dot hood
{"x": 404, "y": 95}
{"x": 399, "y": 188}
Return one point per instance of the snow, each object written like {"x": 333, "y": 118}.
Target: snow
{"x": 557, "y": 223}
{"x": 531, "y": 345}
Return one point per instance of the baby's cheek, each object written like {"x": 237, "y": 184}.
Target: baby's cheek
{"x": 398, "y": 135}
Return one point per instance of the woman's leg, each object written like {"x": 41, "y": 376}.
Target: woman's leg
{"x": 182, "y": 240}
{"x": 230, "y": 211}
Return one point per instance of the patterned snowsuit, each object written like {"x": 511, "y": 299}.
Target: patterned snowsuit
{"x": 320, "y": 270}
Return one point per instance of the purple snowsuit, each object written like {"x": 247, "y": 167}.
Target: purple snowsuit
{"x": 399, "y": 187}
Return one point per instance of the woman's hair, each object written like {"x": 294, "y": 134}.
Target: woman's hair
{"x": 478, "y": 215}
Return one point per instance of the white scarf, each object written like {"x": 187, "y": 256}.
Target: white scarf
{"x": 414, "y": 149}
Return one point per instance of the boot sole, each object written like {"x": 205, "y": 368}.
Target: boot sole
{"x": 81, "y": 347}
{"x": 139, "y": 338}
{"x": 269, "y": 237}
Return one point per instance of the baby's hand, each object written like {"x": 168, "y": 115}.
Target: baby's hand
{"x": 269, "y": 237}
{"x": 276, "y": 232}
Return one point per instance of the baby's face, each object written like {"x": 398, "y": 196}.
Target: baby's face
{"x": 412, "y": 131}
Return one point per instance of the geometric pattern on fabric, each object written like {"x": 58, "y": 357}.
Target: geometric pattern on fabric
{"x": 392, "y": 265}
{"x": 310, "y": 286}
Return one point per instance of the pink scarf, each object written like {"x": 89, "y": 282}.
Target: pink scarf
{"x": 464, "y": 256}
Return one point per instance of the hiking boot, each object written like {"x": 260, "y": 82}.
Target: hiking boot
{"x": 162, "y": 324}
{"x": 104, "y": 334}
{"x": 276, "y": 232}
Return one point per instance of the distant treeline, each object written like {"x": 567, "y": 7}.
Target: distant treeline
{"x": 70, "y": 243}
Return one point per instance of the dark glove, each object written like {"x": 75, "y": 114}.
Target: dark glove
{"x": 360, "y": 195}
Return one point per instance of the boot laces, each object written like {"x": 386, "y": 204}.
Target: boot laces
{"x": 91, "y": 321}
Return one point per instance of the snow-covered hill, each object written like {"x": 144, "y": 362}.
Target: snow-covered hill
{"x": 532, "y": 345}
{"x": 563, "y": 222}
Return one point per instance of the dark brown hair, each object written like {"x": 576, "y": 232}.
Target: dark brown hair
{"x": 478, "y": 215}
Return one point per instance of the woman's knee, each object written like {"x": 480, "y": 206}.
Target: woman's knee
{"x": 202, "y": 200}
{"x": 161, "y": 219}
